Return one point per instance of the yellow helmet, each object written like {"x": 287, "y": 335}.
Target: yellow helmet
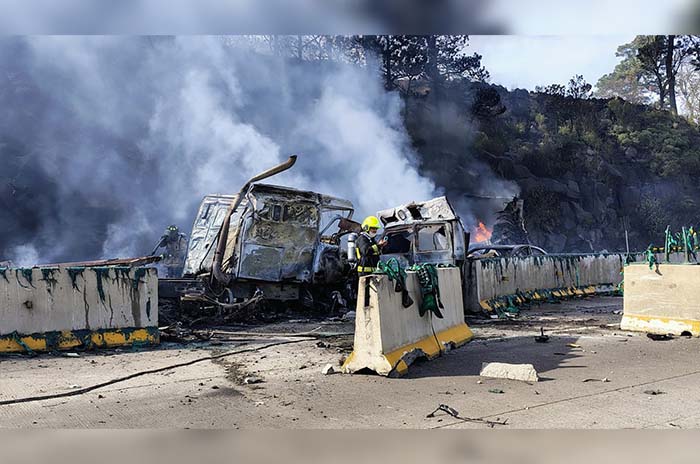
{"x": 371, "y": 222}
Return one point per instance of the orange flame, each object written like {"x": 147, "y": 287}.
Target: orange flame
{"x": 481, "y": 233}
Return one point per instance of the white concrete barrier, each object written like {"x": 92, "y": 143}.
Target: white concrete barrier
{"x": 495, "y": 283}
{"x": 388, "y": 336}
{"x": 77, "y": 307}
{"x": 662, "y": 300}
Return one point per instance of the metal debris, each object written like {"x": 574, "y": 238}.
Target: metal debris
{"x": 660, "y": 337}
{"x": 176, "y": 333}
{"x": 252, "y": 380}
{"x": 542, "y": 338}
{"x": 454, "y": 413}
{"x": 128, "y": 262}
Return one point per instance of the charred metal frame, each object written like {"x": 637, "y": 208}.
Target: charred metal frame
{"x": 277, "y": 239}
{"x": 412, "y": 218}
{"x": 217, "y": 272}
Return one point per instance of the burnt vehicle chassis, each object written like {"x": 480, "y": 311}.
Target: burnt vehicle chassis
{"x": 266, "y": 249}
{"x": 426, "y": 232}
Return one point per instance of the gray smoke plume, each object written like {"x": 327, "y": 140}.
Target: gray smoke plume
{"x": 104, "y": 141}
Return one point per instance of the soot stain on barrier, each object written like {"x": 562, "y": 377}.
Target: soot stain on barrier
{"x": 101, "y": 273}
{"x": 3, "y": 273}
{"x": 111, "y": 310}
{"x": 27, "y": 274}
{"x": 139, "y": 273}
{"x": 48, "y": 277}
{"x": 134, "y": 294}
{"x": 123, "y": 278}
{"x": 73, "y": 273}
{"x": 148, "y": 309}
{"x": 123, "y": 274}
{"x": 87, "y": 310}
{"x": 135, "y": 311}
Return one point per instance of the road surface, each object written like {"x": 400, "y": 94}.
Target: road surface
{"x": 586, "y": 343}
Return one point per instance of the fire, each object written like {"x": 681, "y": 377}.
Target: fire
{"x": 481, "y": 233}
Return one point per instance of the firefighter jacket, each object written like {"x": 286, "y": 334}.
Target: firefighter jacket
{"x": 367, "y": 252}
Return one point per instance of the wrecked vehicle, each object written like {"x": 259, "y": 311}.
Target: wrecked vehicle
{"x": 267, "y": 241}
{"x": 513, "y": 251}
{"x": 425, "y": 232}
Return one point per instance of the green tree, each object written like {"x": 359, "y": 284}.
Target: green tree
{"x": 627, "y": 79}
{"x": 689, "y": 92}
{"x": 648, "y": 70}
{"x": 453, "y": 60}
{"x": 438, "y": 57}
{"x": 577, "y": 88}
{"x": 552, "y": 89}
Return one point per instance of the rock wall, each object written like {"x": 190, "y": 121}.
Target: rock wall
{"x": 587, "y": 169}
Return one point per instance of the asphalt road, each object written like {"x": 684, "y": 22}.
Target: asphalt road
{"x": 294, "y": 394}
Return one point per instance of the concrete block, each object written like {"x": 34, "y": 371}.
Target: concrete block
{"x": 662, "y": 300}
{"x": 523, "y": 372}
{"x": 328, "y": 369}
{"x": 569, "y": 275}
{"x": 77, "y": 307}
{"x": 388, "y": 337}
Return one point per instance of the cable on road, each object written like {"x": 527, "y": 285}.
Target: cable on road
{"x": 84, "y": 390}
{"x": 578, "y": 397}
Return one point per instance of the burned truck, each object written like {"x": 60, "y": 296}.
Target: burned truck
{"x": 425, "y": 232}
{"x": 267, "y": 241}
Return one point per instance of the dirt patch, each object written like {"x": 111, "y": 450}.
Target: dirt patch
{"x": 341, "y": 343}
{"x": 222, "y": 392}
{"x": 236, "y": 371}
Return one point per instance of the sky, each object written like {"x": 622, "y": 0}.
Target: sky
{"x": 520, "y": 61}
{"x": 593, "y": 17}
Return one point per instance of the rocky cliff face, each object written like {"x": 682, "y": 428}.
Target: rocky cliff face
{"x": 587, "y": 169}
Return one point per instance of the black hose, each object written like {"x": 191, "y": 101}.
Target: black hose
{"x": 81, "y": 391}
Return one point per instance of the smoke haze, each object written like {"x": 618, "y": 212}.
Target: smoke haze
{"x": 104, "y": 141}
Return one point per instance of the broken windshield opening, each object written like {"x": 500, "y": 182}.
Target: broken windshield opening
{"x": 398, "y": 242}
{"x": 304, "y": 214}
{"x": 432, "y": 238}
{"x": 330, "y": 216}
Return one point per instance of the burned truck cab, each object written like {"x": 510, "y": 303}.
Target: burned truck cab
{"x": 425, "y": 232}
{"x": 278, "y": 240}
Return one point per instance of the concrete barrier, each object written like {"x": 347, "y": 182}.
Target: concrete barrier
{"x": 388, "y": 337}
{"x": 662, "y": 300}
{"x": 495, "y": 284}
{"x": 44, "y": 309}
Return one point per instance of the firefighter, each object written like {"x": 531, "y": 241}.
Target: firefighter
{"x": 175, "y": 244}
{"x": 366, "y": 246}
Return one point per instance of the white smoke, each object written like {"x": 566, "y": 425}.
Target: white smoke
{"x": 23, "y": 256}
{"x": 363, "y": 149}
{"x": 136, "y": 131}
